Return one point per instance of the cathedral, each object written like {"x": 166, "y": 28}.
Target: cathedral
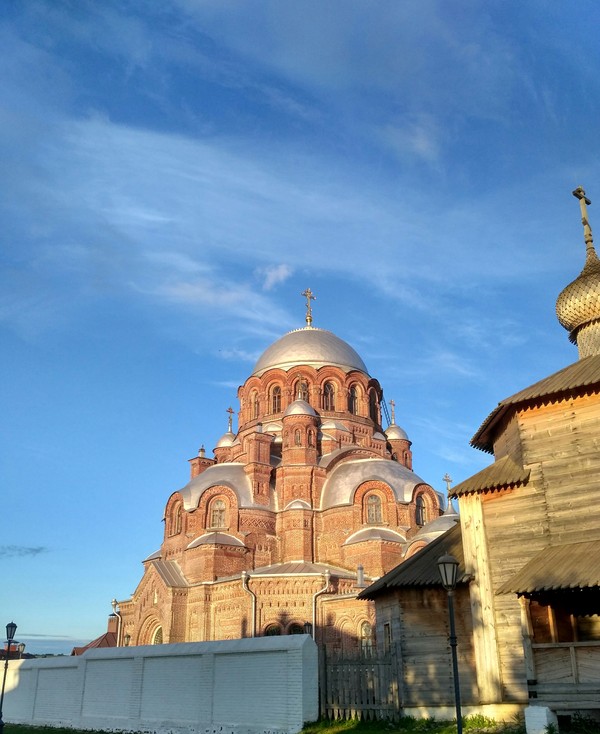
{"x": 308, "y": 502}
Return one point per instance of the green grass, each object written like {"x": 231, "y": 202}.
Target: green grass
{"x": 471, "y": 725}
{"x": 407, "y": 725}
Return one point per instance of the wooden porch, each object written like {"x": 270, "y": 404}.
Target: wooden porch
{"x": 567, "y": 675}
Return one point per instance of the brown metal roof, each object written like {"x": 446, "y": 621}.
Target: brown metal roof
{"x": 569, "y": 566}
{"x": 505, "y": 472}
{"x": 421, "y": 569}
{"x": 575, "y": 378}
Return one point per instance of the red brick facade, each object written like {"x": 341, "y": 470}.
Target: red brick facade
{"x": 268, "y": 535}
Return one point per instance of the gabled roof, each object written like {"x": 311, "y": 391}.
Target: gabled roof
{"x": 577, "y": 378}
{"x": 108, "y": 639}
{"x": 421, "y": 569}
{"x": 568, "y": 566}
{"x": 170, "y": 573}
{"x": 505, "y": 472}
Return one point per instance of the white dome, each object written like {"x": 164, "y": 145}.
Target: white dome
{"x": 226, "y": 439}
{"x": 394, "y": 433}
{"x": 315, "y": 347}
{"x": 299, "y": 407}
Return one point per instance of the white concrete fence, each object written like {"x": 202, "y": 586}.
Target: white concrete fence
{"x": 265, "y": 685}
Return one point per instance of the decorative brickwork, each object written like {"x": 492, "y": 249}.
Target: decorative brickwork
{"x": 268, "y": 535}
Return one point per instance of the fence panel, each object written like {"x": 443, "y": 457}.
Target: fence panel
{"x": 362, "y": 686}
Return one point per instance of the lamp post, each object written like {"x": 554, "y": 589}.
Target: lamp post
{"x": 11, "y": 628}
{"x": 448, "y": 568}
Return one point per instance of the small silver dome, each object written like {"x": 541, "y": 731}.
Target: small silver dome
{"x": 315, "y": 347}
{"x": 299, "y": 407}
{"x": 226, "y": 440}
{"x": 394, "y": 433}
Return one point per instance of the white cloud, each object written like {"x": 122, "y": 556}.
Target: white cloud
{"x": 273, "y": 275}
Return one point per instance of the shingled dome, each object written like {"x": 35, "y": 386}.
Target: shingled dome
{"x": 311, "y": 346}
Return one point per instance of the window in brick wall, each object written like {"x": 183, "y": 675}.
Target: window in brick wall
{"x": 373, "y": 506}
{"x": 175, "y": 519}
{"x": 420, "y": 511}
{"x": 276, "y": 399}
{"x": 255, "y": 405}
{"x": 373, "y": 407}
{"x": 295, "y": 629}
{"x": 328, "y": 401}
{"x": 353, "y": 401}
{"x": 272, "y": 630}
{"x": 366, "y": 637}
{"x": 218, "y": 514}
{"x": 157, "y": 637}
{"x": 301, "y": 390}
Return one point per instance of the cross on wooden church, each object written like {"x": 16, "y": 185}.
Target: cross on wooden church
{"x": 579, "y": 193}
{"x": 308, "y": 294}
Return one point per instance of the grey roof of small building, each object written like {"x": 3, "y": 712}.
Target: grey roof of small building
{"x": 375, "y": 533}
{"x": 347, "y": 476}
{"x": 421, "y": 569}
{"x": 567, "y": 566}
{"x": 581, "y": 377}
{"x": 302, "y": 568}
{"x": 216, "y": 538}
{"x": 227, "y": 474}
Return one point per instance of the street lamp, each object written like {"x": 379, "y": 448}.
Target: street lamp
{"x": 11, "y": 628}
{"x": 448, "y": 568}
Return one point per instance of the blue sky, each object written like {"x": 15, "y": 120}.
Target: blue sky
{"x": 175, "y": 174}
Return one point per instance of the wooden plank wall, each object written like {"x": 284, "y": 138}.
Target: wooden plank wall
{"x": 364, "y": 686}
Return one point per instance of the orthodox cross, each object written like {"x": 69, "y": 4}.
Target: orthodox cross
{"x": 308, "y": 294}
{"x": 393, "y": 407}
{"x": 448, "y": 479}
{"x": 230, "y": 419}
{"x": 579, "y": 193}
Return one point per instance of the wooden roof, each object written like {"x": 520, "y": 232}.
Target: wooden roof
{"x": 576, "y": 378}
{"x": 569, "y": 566}
{"x": 421, "y": 569}
{"x": 505, "y": 472}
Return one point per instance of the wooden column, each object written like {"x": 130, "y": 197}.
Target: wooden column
{"x": 477, "y": 564}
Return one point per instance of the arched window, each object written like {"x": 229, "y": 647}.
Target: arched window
{"x": 373, "y": 407}
{"x": 301, "y": 390}
{"x": 295, "y": 629}
{"x": 297, "y": 438}
{"x": 328, "y": 401}
{"x": 217, "y": 514}
{"x": 374, "y": 514}
{"x": 175, "y": 519}
{"x": 353, "y": 400}
{"x": 311, "y": 439}
{"x": 272, "y": 630}
{"x": 366, "y": 638}
{"x": 276, "y": 399}
{"x": 254, "y": 405}
{"x": 157, "y": 637}
{"x": 420, "y": 511}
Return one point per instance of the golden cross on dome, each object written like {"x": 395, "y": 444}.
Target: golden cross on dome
{"x": 579, "y": 193}
{"x": 393, "y": 407}
{"x": 230, "y": 419}
{"x": 308, "y": 294}
{"x": 448, "y": 479}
